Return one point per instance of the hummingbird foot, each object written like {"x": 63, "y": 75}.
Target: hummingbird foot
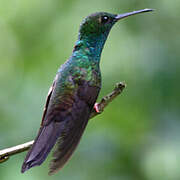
{"x": 96, "y": 107}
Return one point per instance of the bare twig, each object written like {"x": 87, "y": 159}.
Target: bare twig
{"x": 108, "y": 98}
{"x": 6, "y": 153}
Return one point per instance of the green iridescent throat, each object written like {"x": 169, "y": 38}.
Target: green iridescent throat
{"x": 90, "y": 47}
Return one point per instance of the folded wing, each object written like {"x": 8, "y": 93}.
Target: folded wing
{"x": 63, "y": 122}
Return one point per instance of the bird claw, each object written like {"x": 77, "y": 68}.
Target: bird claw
{"x": 96, "y": 107}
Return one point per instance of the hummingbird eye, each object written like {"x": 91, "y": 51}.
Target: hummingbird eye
{"x": 104, "y": 19}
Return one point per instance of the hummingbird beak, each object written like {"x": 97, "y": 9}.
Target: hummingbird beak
{"x": 121, "y": 16}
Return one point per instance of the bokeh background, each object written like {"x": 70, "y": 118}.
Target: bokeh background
{"x": 137, "y": 136}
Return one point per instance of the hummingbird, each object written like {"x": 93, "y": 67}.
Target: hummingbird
{"x": 73, "y": 94}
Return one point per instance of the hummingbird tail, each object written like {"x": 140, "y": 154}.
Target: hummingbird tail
{"x": 66, "y": 145}
{"x": 44, "y": 142}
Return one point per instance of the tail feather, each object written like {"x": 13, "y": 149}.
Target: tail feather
{"x": 65, "y": 148}
{"x": 44, "y": 142}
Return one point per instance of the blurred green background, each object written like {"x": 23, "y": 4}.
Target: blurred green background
{"x": 137, "y": 136}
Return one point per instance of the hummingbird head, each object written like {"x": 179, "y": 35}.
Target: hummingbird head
{"x": 100, "y": 23}
{"x": 97, "y": 24}
{"x": 94, "y": 31}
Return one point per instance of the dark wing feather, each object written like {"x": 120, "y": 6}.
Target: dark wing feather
{"x": 45, "y": 132}
{"x": 67, "y": 122}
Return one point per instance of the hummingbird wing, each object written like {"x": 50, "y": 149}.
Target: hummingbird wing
{"x": 36, "y": 149}
{"x": 64, "y": 121}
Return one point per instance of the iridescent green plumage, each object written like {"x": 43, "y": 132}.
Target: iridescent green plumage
{"x": 73, "y": 94}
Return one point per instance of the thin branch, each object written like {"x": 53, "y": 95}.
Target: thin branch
{"x": 108, "y": 98}
{"x": 6, "y": 153}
